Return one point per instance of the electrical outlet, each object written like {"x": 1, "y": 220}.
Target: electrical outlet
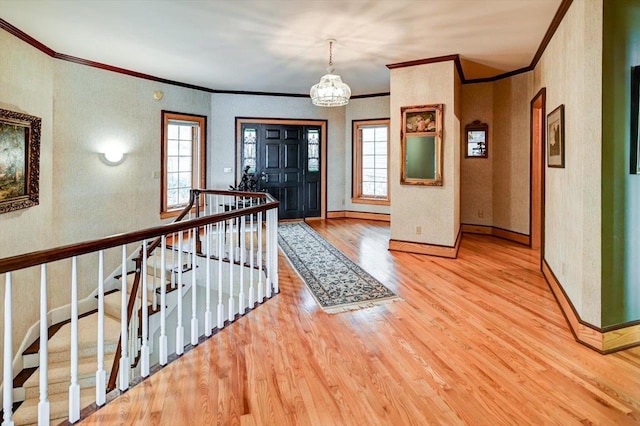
{"x": 480, "y": 213}
{"x": 418, "y": 229}
{"x": 155, "y": 175}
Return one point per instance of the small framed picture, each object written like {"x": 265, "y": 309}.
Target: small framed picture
{"x": 555, "y": 138}
{"x": 634, "y": 167}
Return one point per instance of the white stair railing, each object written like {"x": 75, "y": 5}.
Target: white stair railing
{"x": 226, "y": 243}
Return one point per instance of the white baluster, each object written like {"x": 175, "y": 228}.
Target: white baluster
{"x": 231, "y": 250}
{"x": 221, "y": 230}
{"x": 241, "y": 303}
{"x": 269, "y": 255}
{"x": 252, "y": 295}
{"x": 144, "y": 350}
{"x": 173, "y": 260}
{"x": 154, "y": 294}
{"x": 123, "y": 368}
{"x": 194, "y": 287}
{"x": 43, "y": 404}
{"x": 101, "y": 374}
{"x": 179, "y": 327}
{"x": 208, "y": 317}
{"x": 74, "y": 387}
{"x": 163, "y": 302}
{"x": 260, "y": 265}
{"x": 274, "y": 250}
{"x": 7, "y": 369}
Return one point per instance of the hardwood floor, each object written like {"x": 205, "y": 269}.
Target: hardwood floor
{"x": 479, "y": 341}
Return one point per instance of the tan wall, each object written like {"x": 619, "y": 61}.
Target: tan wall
{"x": 571, "y": 71}
{"x": 511, "y": 153}
{"x": 26, "y": 86}
{"x": 431, "y": 207}
{"x": 476, "y": 174}
{"x": 83, "y": 110}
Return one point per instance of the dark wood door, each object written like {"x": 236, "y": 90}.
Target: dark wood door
{"x": 287, "y": 165}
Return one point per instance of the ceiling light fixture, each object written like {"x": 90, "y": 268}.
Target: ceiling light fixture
{"x": 331, "y": 91}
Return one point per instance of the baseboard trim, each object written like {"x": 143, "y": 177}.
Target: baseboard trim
{"x": 450, "y": 252}
{"x": 505, "y": 234}
{"x": 358, "y": 215}
{"x": 604, "y": 340}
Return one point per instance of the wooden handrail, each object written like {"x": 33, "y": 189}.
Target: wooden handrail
{"x": 64, "y": 252}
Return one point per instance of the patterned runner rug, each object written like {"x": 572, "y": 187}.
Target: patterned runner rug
{"x": 337, "y": 283}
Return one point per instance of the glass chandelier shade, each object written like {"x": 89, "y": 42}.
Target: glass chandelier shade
{"x": 330, "y": 91}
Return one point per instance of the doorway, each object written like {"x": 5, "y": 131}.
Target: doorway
{"x": 287, "y": 157}
{"x": 537, "y": 125}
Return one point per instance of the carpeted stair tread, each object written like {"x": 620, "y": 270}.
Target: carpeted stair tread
{"x": 59, "y": 375}
{"x": 59, "y": 344}
{"x": 27, "y": 413}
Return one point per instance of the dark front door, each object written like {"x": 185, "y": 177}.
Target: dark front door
{"x": 287, "y": 165}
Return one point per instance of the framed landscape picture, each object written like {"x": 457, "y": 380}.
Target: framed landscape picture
{"x": 19, "y": 160}
{"x": 555, "y": 138}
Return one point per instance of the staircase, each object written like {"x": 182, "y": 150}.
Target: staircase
{"x": 227, "y": 263}
{"x": 60, "y": 370}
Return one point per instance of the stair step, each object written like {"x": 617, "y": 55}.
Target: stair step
{"x": 59, "y": 349}
{"x": 59, "y": 376}
{"x": 27, "y": 413}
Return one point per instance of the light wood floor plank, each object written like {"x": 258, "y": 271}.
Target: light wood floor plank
{"x": 477, "y": 340}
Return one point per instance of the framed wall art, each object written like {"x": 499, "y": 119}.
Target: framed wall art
{"x": 421, "y": 136}
{"x": 634, "y": 166}
{"x": 19, "y": 160}
{"x": 555, "y": 138}
{"x": 476, "y": 141}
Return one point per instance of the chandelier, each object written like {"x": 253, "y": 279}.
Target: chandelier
{"x": 331, "y": 91}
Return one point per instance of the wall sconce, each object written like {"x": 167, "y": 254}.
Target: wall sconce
{"x": 112, "y": 157}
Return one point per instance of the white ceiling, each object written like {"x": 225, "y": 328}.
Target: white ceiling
{"x": 280, "y": 45}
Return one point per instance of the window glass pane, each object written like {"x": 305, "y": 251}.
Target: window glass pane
{"x": 313, "y": 150}
{"x": 368, "y": 134}
{"x": 185, "y": 164}
{"x": 183, "y": 196}
{"x": 380, "y": 189}
{"x": 368, "y": 175}
{"x": 172, "y": 164}
{"x": 186, "y": 133}
{"x": 185, "y": 147}
{"x": 172, "y": 180}
{"x": 251, "y": 162}
{"x": 368, "y": 161}
{"x": 172, "y": 131}
{"x": 172, "y": 147}
{"x": 172, "y": 197}
{"x": 381, "y": 175}
{"x": 184, "y": 180}
{"x": 368, "y": 148}
{"x": 368, "y": 188}
{"x": 381, "y": 162}
{"x": 381, "y": 133}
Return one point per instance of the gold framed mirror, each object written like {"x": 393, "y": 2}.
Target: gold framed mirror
{"x": 421, "y": 136}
